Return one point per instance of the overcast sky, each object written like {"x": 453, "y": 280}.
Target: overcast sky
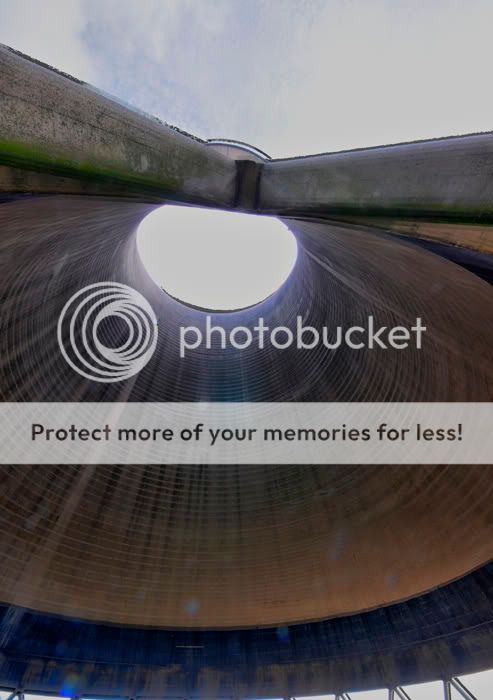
{"x": 289, "y": 76}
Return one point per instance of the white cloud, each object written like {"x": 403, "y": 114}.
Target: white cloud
{"x": 290, "y": 77}
{"x": 372, "y": 73}
{"x": 49, "y": 31}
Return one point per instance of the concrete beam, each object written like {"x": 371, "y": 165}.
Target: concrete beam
{"x": 440, "y": 180}
{"x": 440, "y": 190}
{"x": 59, "y": 135}
{"x": 84, "y": 141}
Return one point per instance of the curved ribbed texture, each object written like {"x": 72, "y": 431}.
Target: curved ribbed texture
{"x": 239, "y": 546}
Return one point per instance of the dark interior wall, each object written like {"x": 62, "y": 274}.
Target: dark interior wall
{"x": 445, "y": 633}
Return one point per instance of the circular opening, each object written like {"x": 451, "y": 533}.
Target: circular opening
{"x": 216, "y": 260}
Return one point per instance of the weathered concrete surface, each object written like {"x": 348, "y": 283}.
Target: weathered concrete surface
{"x": 441, "y": 181}
{"x": 57, "y": 126}
{"x": 247, "y": 185}
{"x": 58, "y": 135}
{"x": 474, "y": 236}
{"x": 444, "y": 177}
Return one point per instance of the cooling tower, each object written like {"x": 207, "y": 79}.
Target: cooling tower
{"x": 241, "y": 581}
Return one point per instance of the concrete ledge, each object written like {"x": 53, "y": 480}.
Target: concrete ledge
{"x": 472, "y": 236}
{"x": 437, "y": 636}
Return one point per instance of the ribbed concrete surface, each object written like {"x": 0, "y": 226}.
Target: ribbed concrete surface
{"x": 239, "y": 546}
{"x": 234, "y": 546}
{"x": 51, "y": 246}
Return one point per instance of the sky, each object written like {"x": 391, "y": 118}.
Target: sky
{"x": 248, "y": 242}
{"x": 291, "y": 77}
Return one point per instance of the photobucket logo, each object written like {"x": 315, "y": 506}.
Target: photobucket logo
{"x": 303, "y": 337}
{"x": 81, "y": 328}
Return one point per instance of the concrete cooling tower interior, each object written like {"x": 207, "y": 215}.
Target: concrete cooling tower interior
{"x": 242, "y": 581}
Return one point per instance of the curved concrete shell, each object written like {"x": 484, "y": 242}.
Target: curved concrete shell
{"x": 357, "y": 576}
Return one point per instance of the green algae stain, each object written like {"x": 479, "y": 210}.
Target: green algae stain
{"x": 38, "y": 159}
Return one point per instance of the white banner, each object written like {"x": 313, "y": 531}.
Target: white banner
{"x": 246, "y": 433}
